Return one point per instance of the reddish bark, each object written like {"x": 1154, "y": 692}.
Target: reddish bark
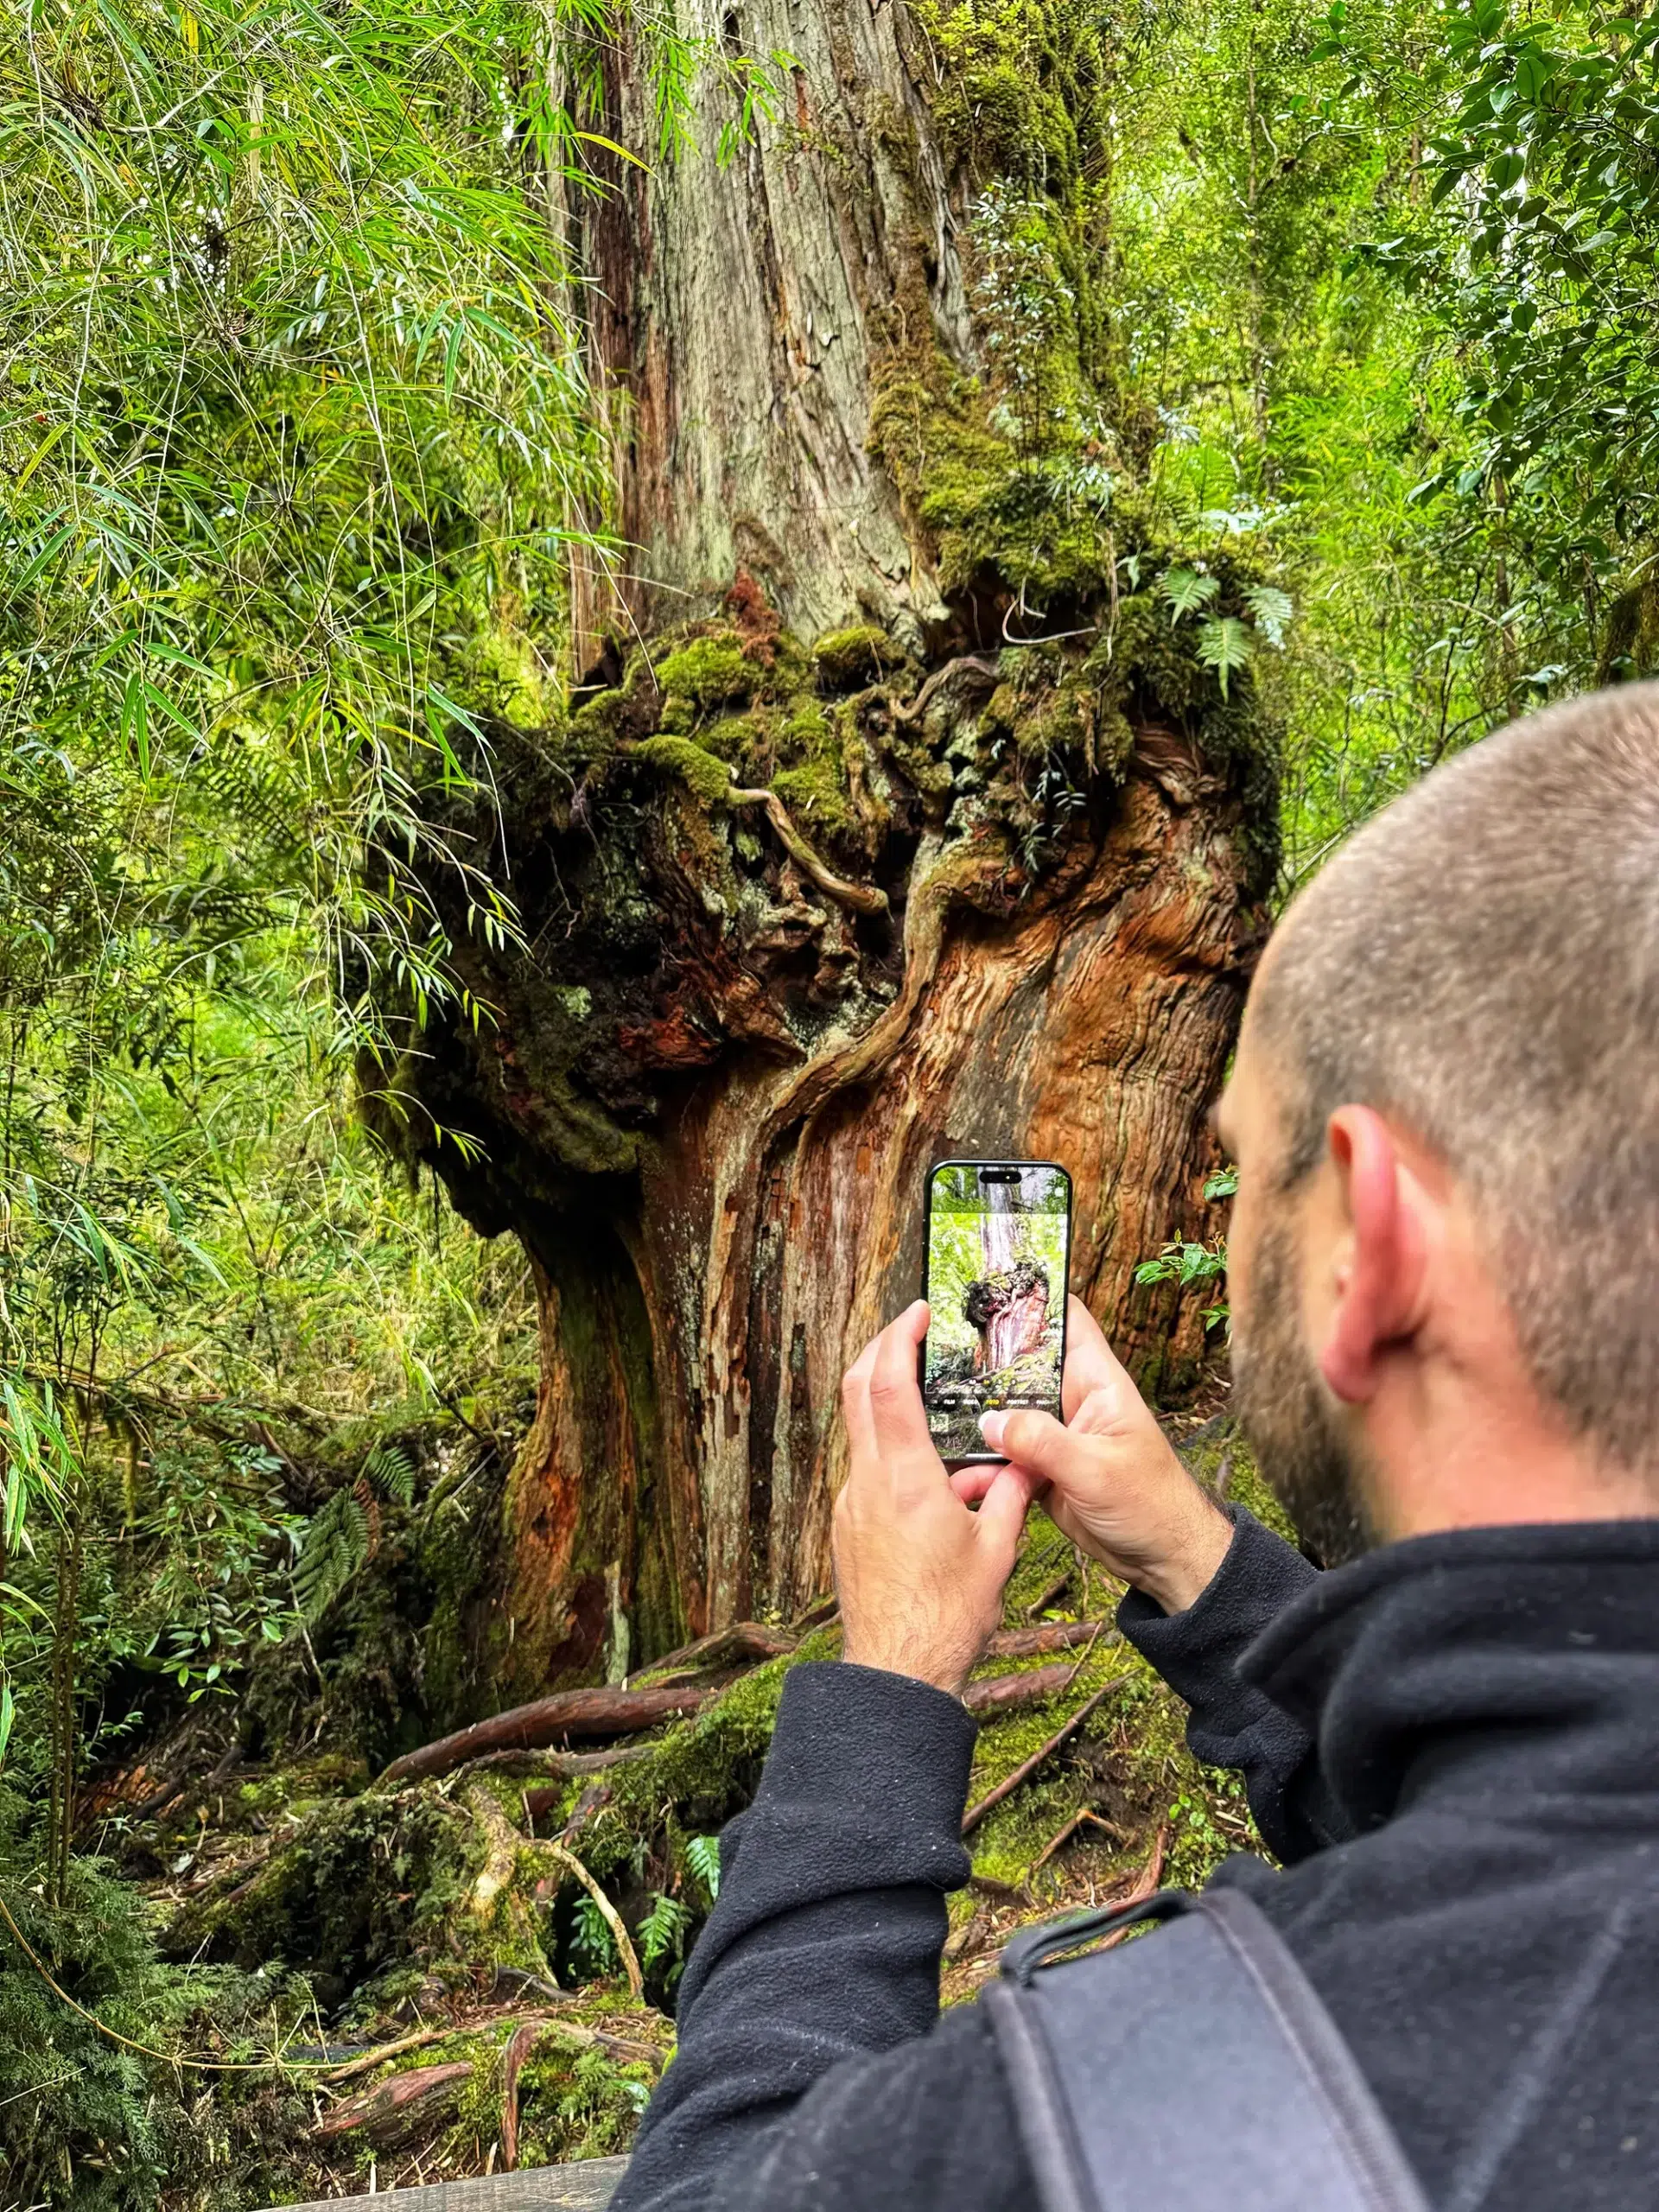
{"x": 999, "y": 1694}
{"x": 527, "y": 1727}
{"x": 401, "y": 2106}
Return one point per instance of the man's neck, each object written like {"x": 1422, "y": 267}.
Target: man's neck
{"x": 1442, "y": 1454}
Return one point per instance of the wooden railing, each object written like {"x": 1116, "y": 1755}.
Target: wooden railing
{"x": 584, "y": 2187}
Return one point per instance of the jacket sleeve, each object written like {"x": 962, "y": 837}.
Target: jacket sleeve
{"x": 806, "y": 2075}
{"x": 1232, "y": 1723}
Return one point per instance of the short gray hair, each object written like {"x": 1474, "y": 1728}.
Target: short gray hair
{"x": 1481, "y": 962}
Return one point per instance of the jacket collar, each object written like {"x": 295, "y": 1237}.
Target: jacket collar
{"x": 1512, "y": 1670}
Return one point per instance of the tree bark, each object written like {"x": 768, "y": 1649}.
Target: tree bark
{"x": 899, "y": 818}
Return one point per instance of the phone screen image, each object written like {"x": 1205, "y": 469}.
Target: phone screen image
{"x": 998, "y": 1242}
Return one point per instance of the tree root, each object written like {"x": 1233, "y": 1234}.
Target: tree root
{"x": 619, "y": 1936}
{"x": 528, "y": 1728}
{"x": 1023, "y": 1772}
{"x": 861, "y": 898}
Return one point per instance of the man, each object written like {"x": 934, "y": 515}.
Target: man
{"x": 1445, "y": 1277}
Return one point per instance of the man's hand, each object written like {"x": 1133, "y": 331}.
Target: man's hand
{"x": 1109, "y": 1478}
{"x": 920, "y": 1577}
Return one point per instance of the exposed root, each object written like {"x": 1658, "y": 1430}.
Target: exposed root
{"x": 619, "y": 1935}
{"x": 861, "y": 898}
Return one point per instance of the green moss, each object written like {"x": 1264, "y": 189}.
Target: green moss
{"x": 815, "y": 795}
{"x": 709, "y": 672}
{"x": 846, "y": 658}
{"x": 707, "y": 777}
{"x": 1023, "y": 90}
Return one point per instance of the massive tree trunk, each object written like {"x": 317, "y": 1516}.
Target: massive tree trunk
{"x": 897, "y": 814}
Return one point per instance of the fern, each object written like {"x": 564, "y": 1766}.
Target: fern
{"x": 593, "y": 1947}
{"x": 391, "y": 1472}
{"x": 1270, "y": 610}
{"x": 1186, "y": 590}
{"x": 344, "y": 1534}
{"x": 1226, "y": 646}
{"x": 662, "y": 1937}
{"x": 702, "y": 1857}
{"x": 336, "y": 1547}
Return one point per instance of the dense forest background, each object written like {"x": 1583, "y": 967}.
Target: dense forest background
{"x": 304, "y": 487}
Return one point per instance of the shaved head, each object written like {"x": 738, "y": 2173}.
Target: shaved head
{"x": 1480, "y": 963}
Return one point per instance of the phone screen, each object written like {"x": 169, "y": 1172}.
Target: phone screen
{"x": 999, "y": 1235}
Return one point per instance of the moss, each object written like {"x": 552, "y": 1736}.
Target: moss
{"x": 703, "y": 1768}
{"x": 709, "y": 672}
{"x": 817, "y": 797}
{"x": 847, "y": 657}
{"x": 707, "y": 777}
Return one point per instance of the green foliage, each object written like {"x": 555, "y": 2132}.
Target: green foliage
{"x": 702, "y": 1858}
{"x": 342, "y": 1537}
{"x": 593, "y": 1947}
{"x": 662, "y": 1937}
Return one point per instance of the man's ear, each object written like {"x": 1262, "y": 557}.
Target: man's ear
{"x": 1384, "y": 1257}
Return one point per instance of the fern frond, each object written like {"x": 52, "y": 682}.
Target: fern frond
{"x": 1226, "y": 646}
{"x": 334, "y": 1548}
{"x": 391, "y": 1472}
{"x": 1186, "y": 590}
{"x": 1270, "y": 610}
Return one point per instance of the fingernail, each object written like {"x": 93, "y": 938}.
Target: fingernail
{"x": 991, "y": 1426}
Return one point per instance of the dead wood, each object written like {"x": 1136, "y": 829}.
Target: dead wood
{"x": 527, "y": 1727}
{"x": 1050, "y": 1596}
{"x": 1085, "y": 1816}
{"x": 622, "y": 2048}
{"x": 1023, "y": 1772}
{"x": 520, "y": 2044}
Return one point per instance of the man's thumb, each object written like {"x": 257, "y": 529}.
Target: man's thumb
{"x": 1030, "y": 1439}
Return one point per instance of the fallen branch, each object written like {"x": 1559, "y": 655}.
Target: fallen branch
{"x": 619, "y": 1936}
{"x": 1023, "y": 1772}
{"x": 1051, "y": 1595}
{"x": 571, "y": 2030}
{"x": 1145, "y": 1885}
{"x": 528, "y": 1728}
{"x": 406, "y": 2099}
{"x": 520, "y": 2044}
{"x": 1050, "y": 1636}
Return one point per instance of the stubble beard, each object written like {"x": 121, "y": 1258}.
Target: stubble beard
{"x": 1304, "y": 1457}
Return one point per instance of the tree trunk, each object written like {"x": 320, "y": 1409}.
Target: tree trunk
{"x": 899, "y": 818}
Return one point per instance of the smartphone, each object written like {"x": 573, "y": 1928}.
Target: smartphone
{"x": 997, "y": 1241}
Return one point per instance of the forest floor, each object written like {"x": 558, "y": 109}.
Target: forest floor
{"x": 471, "y": 1958}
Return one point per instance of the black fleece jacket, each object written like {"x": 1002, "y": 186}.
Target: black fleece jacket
{"x": 1453, "y": 1746}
